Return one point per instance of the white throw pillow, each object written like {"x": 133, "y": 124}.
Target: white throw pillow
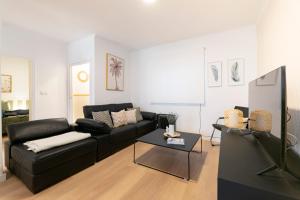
{"x": 131, "y": 116}
{"x": 119, "y": 118}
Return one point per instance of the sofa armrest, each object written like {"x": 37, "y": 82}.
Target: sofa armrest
{"x": 92, "y": 126}
{"x": 149, "y": 116}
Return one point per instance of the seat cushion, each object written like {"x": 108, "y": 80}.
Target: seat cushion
{"x": 144, "y": 127}
{"x": 123, "y": 134}
{"x": 37, "y": 163}
{"x": 218, "y": 126}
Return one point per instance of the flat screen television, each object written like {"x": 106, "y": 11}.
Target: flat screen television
{"x": 268, "y": 115}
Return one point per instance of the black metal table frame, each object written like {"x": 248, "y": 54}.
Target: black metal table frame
{"x": 148, "y": 166}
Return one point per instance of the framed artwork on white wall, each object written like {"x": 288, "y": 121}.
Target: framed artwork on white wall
{"x": 214, "y": 74}
{"x": 114, "y": 73}
{"x": 6, "y": 83}
{"x": 236, "y": 72}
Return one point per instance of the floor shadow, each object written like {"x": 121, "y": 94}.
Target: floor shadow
{"x": 173, "y": 161}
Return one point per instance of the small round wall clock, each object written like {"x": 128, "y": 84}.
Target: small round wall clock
{"x": 83, "y": 76}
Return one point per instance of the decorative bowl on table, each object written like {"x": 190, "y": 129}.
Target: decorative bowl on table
{"x": 169, "y": 135}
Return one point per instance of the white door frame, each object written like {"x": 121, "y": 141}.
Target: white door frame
{"x": 69, "y": 89}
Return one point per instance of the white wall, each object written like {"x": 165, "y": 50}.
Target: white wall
{"x": 49, "y": 58}
{"x": 239, "y": 43}
{"x": 278, "y": 44}
{"x": 175, "y": 72}
{"x": 103, "y": 96}
{"x": 19, "y": 69}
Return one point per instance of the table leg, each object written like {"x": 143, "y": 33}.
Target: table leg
{"x": 188, "y": 178}
{"x": 201, "y": 143}
{"x": 134, "y": 152}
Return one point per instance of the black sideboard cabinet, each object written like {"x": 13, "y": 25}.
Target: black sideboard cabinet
{"x": 241, "y": 157}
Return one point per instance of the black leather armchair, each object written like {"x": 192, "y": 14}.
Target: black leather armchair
{"x": 219, "y": 127}
{"x": 111, "y": 140}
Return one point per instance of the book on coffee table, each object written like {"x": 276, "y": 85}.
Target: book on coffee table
{"x": 176, "y": 141}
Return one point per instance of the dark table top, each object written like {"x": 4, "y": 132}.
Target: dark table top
{"x": 156, "y": 137}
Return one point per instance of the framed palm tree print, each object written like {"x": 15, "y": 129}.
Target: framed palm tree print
{"x": 114, "y": 73}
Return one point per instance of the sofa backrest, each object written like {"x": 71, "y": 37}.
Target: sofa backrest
{"x": 87, "y": 110}
{"x": 32, "y": 130}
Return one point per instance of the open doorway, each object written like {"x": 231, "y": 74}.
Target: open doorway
{"x": 15, "y": 88}
{"x": 80, "y": 89}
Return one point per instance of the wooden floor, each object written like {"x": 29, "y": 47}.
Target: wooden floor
{"x": 117, "y": 177}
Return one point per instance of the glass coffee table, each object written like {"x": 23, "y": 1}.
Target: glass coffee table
{"x": 157, "y": 138}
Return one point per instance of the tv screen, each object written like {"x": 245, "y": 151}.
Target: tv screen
{"x": 267, "y": 108}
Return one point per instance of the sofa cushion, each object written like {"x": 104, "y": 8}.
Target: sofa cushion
{"x": 123, "y": 134}
{"x": 139, "y": 116}
{"x": 131, "y": 116}
{"x": 119, "y": 118}
{"x": 37, "y": 163}
{"x": 103, "y": 116}
{"x": 144, "y": 127}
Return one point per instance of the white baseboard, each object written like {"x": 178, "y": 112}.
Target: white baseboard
{"x": 2, "y": 177}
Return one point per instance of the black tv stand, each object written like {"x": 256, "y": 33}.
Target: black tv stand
{"x": 240, "y": 160}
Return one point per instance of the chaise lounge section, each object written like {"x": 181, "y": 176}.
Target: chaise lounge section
{"x": 41, "y": 170}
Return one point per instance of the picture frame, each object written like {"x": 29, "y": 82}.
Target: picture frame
{"x": 214, "y": 74}
{"x": 6, "y": 83}
{"x": 236, "y": 72}
{"x": 114, "y": 72}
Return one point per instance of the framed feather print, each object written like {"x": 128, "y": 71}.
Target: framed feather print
{"x": 236, "y": 72}
{"x": 214, "y": 74}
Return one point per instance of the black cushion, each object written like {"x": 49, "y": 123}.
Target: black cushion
{"x": 218, "y": 126}
{"x": 10, "y": 113}
{"x": 37, "y": 163}
{"x": 144, "y": 127}
{"x": 92, "y": 126}
{"x": 22, "y": 112}
{"x": 123, "y": 134}
{"x": 87, "y": 110}
{"x": 25, "y": 131}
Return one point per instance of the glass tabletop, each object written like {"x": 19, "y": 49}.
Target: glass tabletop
{"x": 157, "y": 138}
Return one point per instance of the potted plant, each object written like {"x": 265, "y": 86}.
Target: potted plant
{"x": 172, "y": 117}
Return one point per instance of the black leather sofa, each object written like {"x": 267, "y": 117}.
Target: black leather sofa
{"x": 110, "y": 140}
{"x": 43, "y": 169}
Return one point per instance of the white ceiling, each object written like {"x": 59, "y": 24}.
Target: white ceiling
{"x": 130, "y": 22}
